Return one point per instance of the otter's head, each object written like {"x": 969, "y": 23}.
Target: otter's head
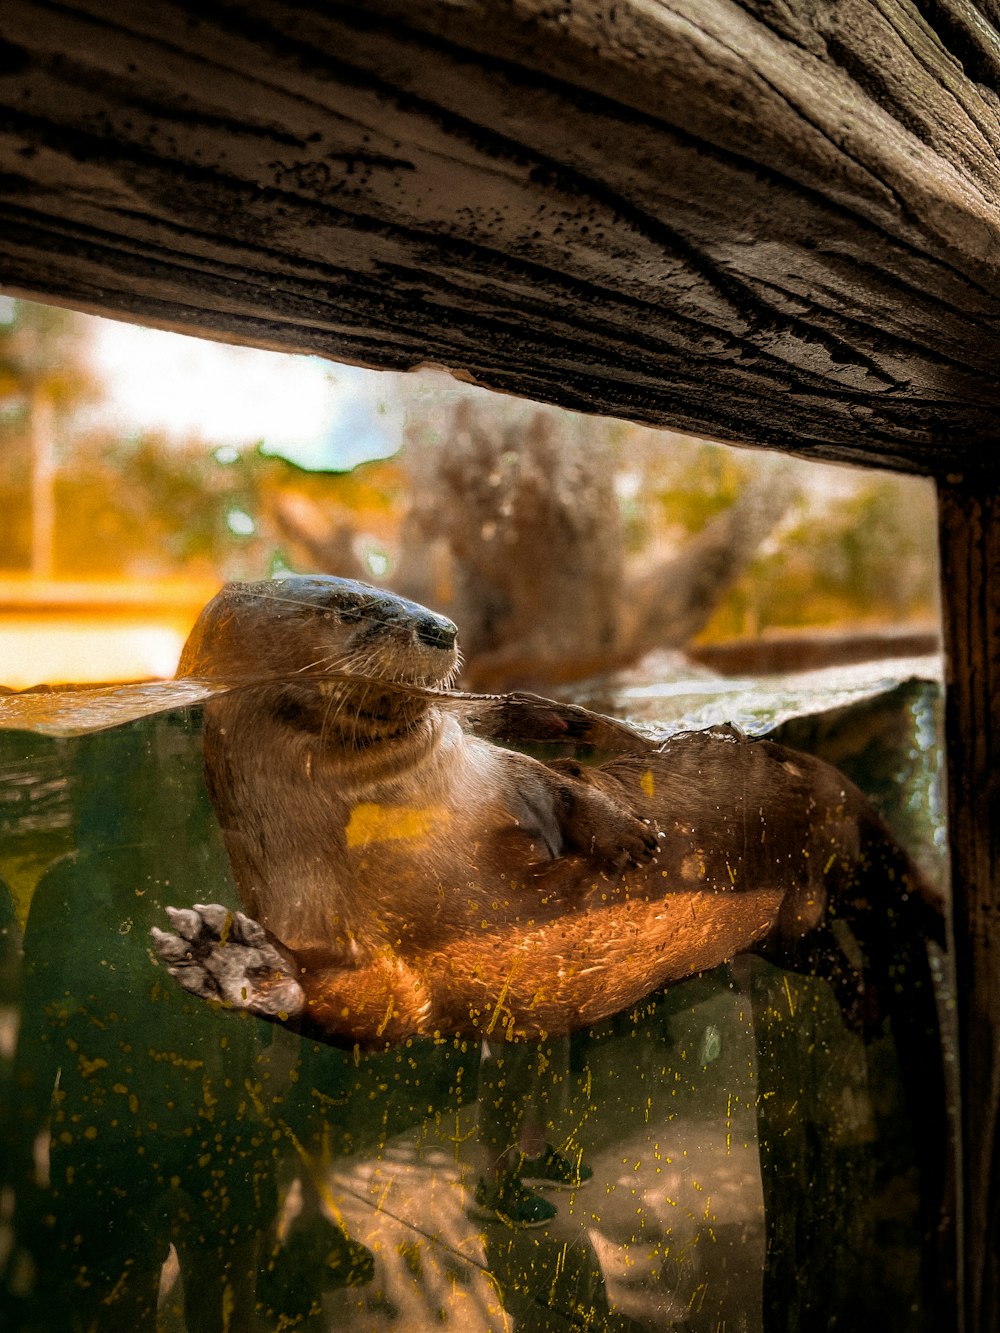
{"x": 305, "y": 625}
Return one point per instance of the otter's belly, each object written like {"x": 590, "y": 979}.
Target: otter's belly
{"x": 570, "y": 972}
{"x": 424, "y": 902}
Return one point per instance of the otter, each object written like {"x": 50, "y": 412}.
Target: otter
{"x": 404, "y": 874}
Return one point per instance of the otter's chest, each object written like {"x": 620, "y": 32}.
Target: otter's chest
{"x": 443, "y": 832}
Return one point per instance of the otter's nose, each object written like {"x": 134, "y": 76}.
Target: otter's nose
{"x": 436, "y": 631}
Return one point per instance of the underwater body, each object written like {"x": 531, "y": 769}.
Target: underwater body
{"x": 730, "y": 1114}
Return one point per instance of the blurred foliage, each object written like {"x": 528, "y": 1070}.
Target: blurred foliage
{"x": 681, "y": 487}
{"x": 43, "y": 346}
{"x": 855, "y": 547}
{"x": 43, "y": 373}
{"x": 869, "y": 554}
{"x": 141, "y": 505}
{"x": 196, "y": 511}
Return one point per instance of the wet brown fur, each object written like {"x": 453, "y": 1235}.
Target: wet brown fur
{"x": 423, "y": 879}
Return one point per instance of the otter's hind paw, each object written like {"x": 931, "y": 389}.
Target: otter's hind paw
{"x": 221, "y": 955}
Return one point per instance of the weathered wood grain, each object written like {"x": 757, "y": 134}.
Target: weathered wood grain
{"x": 970, "y": 555}
{"x": 772, "y": 223}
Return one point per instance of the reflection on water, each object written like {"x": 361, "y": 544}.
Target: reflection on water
{"x": 666, "y": 693}
{"x": 738, "y": 1157}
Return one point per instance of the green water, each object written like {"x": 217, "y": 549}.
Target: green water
{"x": 167, "y": 1164}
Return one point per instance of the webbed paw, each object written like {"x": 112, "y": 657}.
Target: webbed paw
{"x": 601, "y": 825}
{"x": 221, "y": 955}
{"x": 623, "y": 840}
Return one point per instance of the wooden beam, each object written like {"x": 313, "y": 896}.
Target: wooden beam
{"x": 775, "y": 224}
{"x": 970, "y": 558}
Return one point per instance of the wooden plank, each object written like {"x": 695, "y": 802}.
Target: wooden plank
{"x": 970, "y": 555}
{"x": 769, "y": 223}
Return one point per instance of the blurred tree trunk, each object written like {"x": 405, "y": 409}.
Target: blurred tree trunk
{"x": 41, "y": 433}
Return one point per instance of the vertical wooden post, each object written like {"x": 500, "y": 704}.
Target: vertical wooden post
{"x": 969, "y": 511}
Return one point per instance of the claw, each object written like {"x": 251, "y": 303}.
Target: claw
{"x": 215, "y": 916}
{"x": 185, "y": 922}
{"x": 244, "y": 930}
{"x": 169, "y": 947}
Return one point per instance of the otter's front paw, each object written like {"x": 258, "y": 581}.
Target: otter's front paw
{"x": 604, "y": 828}
{"x": 221, "y": 955}
{"x": 622, "y": 840}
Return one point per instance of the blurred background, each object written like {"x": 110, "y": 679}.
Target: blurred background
{"x": 141, "y": 469}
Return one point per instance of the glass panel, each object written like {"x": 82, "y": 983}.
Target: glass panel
{"x": 718, "y": 1106}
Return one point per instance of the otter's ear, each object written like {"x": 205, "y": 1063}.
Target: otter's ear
{"x": 344, "y": 614}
